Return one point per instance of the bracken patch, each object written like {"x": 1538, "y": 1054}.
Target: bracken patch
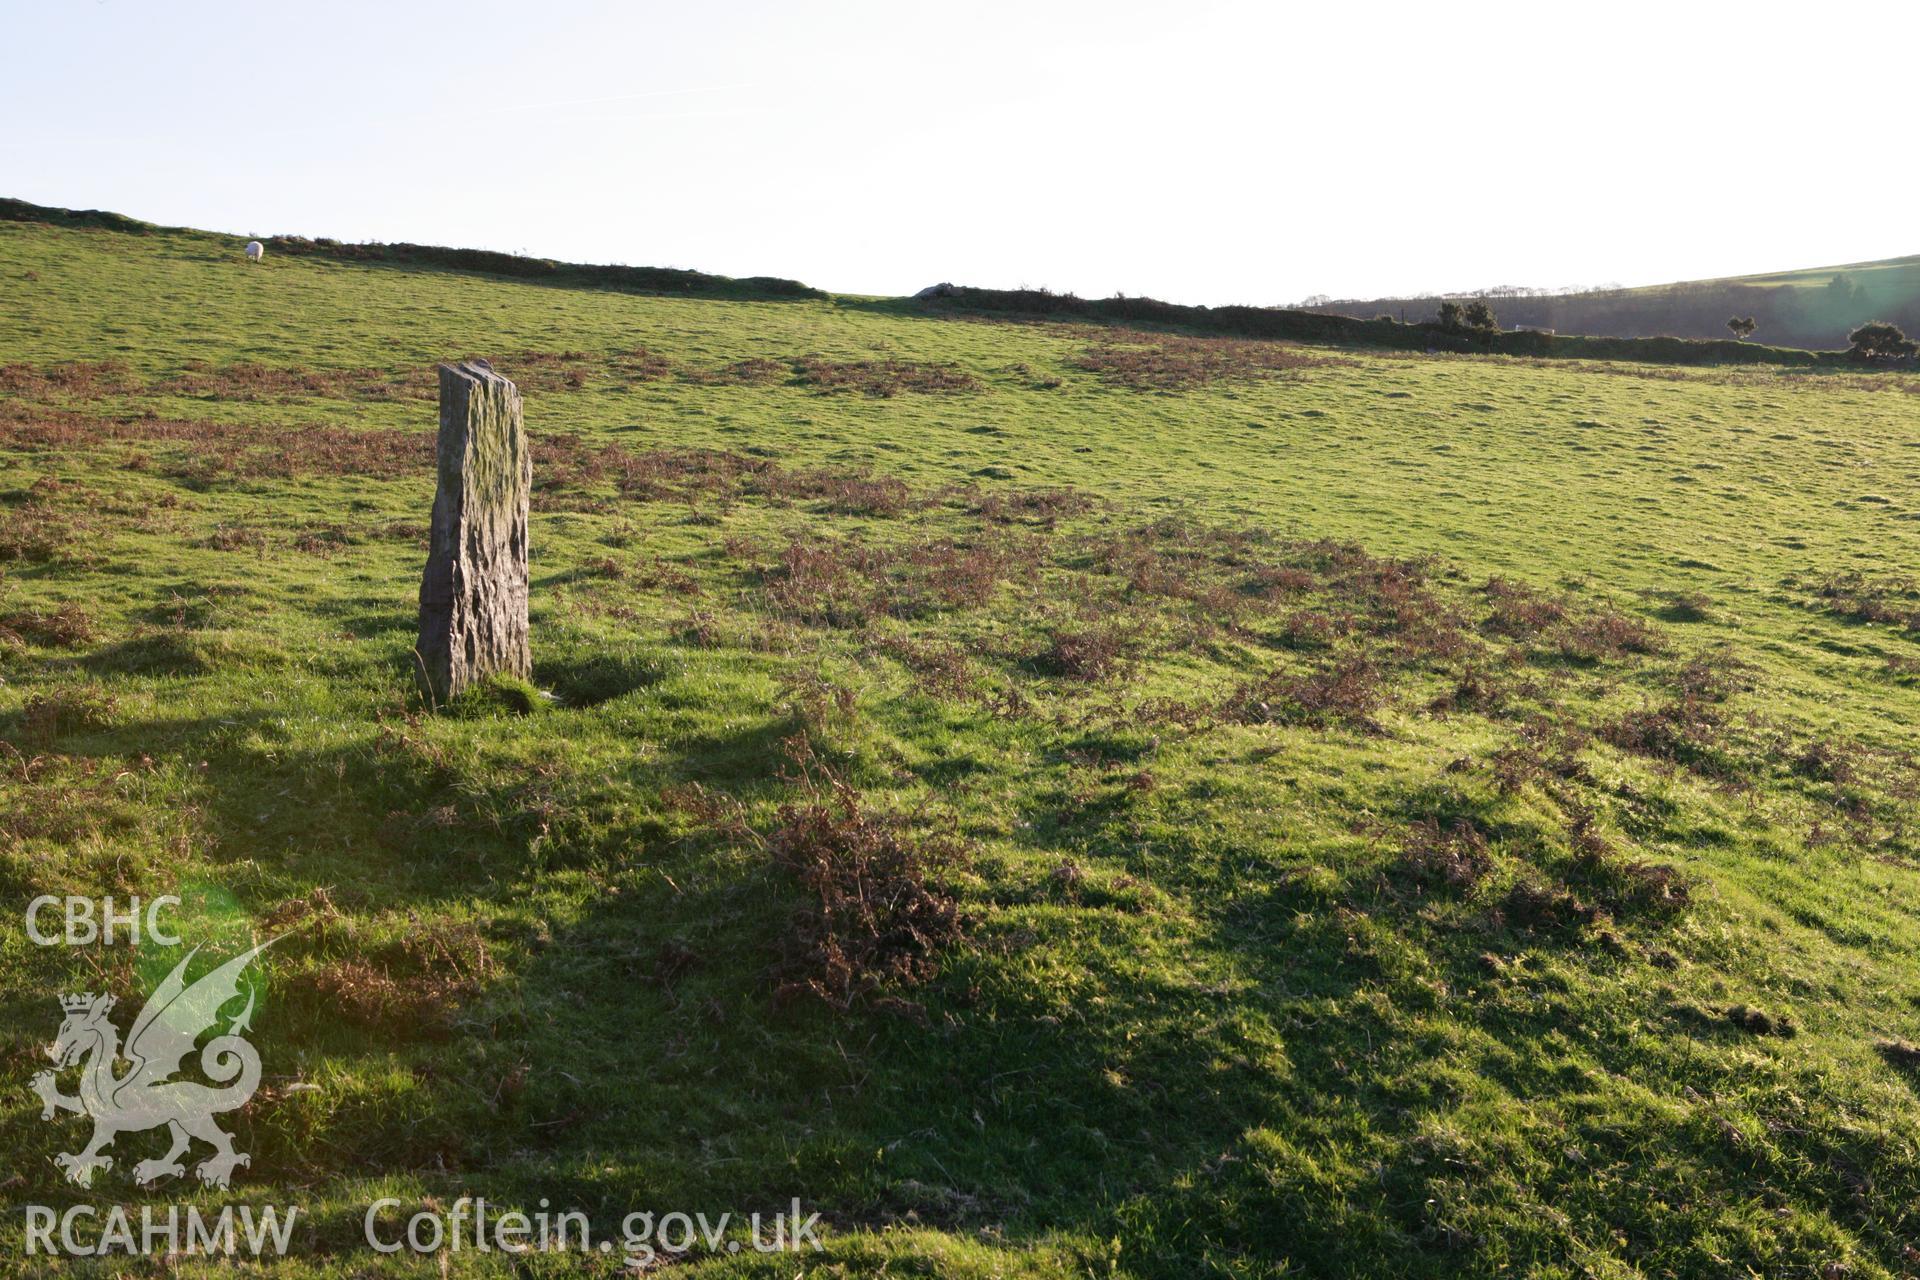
{"x": 64, "y": 628}
{"x": 1858, "y": 597}
{"x": 882, "y": 377}
{"x": 79, "y": 379}
{"x": 1454, "y": 856}
{"x": 76, "y": 709}
{"x": 414, "y": 985}
{"x": 1344, "y": 690}
{"x": 876, "y": 918}
{"x": 1173, "y": 362}
{"x": 1091, "y": 652}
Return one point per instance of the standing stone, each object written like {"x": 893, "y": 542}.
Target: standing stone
{"x": 473, "y": 598}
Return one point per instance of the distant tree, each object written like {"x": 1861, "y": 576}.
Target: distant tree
{"x": 1473, "y": 319}
{"x": 1880, "y": 341}
{"x": 1743, "y": 327}
{"x": 1845, "y": 294}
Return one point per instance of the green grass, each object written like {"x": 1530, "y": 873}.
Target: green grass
{"x": 1891, "y": 276}
{"x": 1232, "y": 1000}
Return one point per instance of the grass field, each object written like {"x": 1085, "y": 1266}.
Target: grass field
{"x": 1891, "y": 276}
{"x": 1054, "y": 800}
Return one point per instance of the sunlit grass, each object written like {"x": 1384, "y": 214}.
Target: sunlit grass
{"x": 1237, "y": 992}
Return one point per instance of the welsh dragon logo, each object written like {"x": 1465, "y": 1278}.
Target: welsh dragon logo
{"x": 147, "y": 1095}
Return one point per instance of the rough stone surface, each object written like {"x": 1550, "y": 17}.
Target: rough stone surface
{"x": 473, "y": 597}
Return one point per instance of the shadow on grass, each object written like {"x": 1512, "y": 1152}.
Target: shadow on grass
{"x": 1270, "y": 1070}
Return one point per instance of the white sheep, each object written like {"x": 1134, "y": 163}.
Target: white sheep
{"x": 255, "y": 250}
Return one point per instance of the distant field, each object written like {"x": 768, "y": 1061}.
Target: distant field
{"x": 1381, "y": 815}
{"x": 1885, "y": 275}
{"x": 1814, "y": 308}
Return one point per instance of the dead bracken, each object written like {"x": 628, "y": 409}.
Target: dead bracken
{"x": 1144, "y": 361}
{"x": 877, "y": 915}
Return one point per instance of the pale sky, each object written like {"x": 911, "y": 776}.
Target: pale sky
{"x": 1198, "y": 152}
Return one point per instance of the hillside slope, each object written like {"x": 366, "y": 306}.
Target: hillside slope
{"x": 1332, "y": 813}
{"x": 1815, "y": 308}
{"x": 667, "y": 280}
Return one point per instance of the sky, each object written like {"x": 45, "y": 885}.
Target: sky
{"x": 1198, "y": 152}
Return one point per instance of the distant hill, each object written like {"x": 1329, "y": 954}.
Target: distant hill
{"x": 1813, "y": 308}
{"x": 667, "y": 280}
{"x": 1802, "y": 317}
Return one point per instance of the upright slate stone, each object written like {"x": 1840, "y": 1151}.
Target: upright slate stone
{"x": 473, "y": 598}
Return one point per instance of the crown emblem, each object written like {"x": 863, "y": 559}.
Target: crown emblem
{"x": 78, "y": 1003}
